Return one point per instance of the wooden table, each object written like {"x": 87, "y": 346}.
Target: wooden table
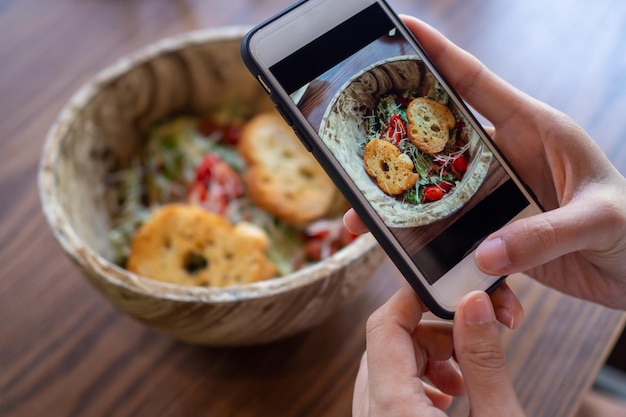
{"x": 65, "y": 351}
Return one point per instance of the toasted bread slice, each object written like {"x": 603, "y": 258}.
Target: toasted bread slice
{"x": 429, "y": 124}
{"x": 283, "y": 178}
{"x": 185, "y": 244}
{"x": 392, "y": 170}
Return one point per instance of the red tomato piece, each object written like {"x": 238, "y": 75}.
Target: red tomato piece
{"x": 445, "y": 186}
{"x": 232, "y": 135}
{"x": 197, "y": 192}
{"x": 396, "y": 130}
{"x": 205, "y": 168}
{"x": 433, "y": 193}
{"x": 460, "y": 164}
{"x": 313, "y": 249}
{"x": 403, "y": 101}
{"x": 226, "y": 178}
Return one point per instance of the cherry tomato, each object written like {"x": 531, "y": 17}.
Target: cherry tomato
{"x": 313, "y": 249}
{"x": 205, "y": 168}
{"x": 228, "y": 135}
{"x": 460, "y": 164}
{"x": 403, "y": 101}
{"x": 433, "y": 193}
{"x": 396, "y": 130}
{"x": 231, "y": 135}
{"x": 197, "y": 192}
{"x": 445, "y": 186}
{"x": 227, "y": 179}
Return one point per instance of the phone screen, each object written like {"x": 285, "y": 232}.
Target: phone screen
{"x": 402, "y": 138}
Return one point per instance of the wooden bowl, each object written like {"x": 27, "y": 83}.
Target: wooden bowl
{"x": 104, "y": 127}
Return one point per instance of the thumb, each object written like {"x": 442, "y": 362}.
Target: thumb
{"x": 481, "y": 358}
{"x": 536, "y": 240}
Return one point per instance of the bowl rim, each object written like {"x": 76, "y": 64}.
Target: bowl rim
{"x": 433, "y": 211}
{"x": 106, "y": 270}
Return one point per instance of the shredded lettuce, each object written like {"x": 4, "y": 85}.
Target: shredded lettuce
{"x": 432, "y": 169}
{"x": 132, "y": 213}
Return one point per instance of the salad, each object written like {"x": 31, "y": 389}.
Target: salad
{"x": 438, "y": 174}
{"x": 195, "y": 161}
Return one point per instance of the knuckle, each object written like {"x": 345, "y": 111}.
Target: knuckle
{"x": 610, "y": 209}
{"x": 548, "y": 235}
{"x": 387, "y": 405}
{"x": 485, "y": 355}
{"x": 537, "y": 235}
{"x": 375, "y": 322}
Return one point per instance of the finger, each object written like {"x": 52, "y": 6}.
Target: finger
{"x": 536, "y": 240}
{"x": 491, "y": 96}
{"x": 439, "y": 399}
{"x": 360, "y": 398}
{"x": 446, "y": 376}
{"x": 508, "y": 308}
{"x": 434, "y": 348}
{"x": 481, "y": 358}
{"x": 353, "y": 223}
{"x": 391, "y": 365}
{"x": 433, "y": 338}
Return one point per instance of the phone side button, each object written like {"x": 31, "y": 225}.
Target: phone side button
{"x": 285, "y": 116}
{"x": 263, "y": 84}
{"x": 303, "y": 139}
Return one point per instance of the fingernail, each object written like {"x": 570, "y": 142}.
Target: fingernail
{"x": 478, "y": 309}
{"x": 491, "y": 255}
{"x": 507, "y": 317}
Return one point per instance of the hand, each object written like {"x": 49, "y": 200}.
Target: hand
{"x": 579, "y": 245}
{"x": 402, "y": 349}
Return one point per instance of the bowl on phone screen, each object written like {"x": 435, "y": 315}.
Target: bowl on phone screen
{"x": 347, "y": 124}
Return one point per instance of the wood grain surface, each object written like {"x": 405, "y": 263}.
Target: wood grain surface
{"x": 65, "y": 351}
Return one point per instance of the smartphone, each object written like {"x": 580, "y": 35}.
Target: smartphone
{"x": 397, "y": 140}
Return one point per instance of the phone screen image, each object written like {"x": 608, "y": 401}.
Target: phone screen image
{"x": 402, "y": 138}
{"x": 396, "y": 139}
